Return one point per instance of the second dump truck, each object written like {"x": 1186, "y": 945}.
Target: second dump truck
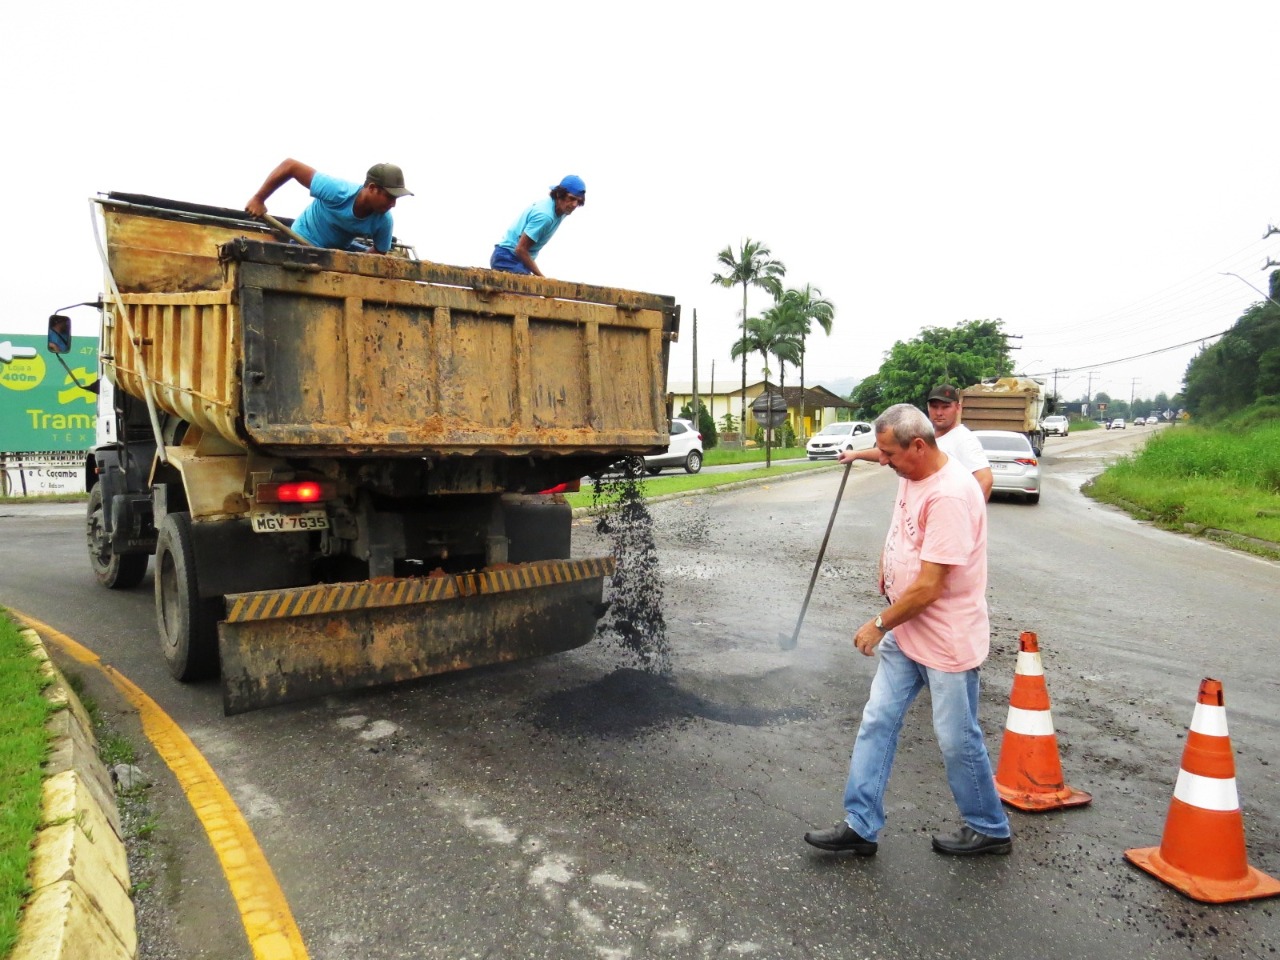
{"x": 340, "y": 460}
{"x": 1008, "y": 403}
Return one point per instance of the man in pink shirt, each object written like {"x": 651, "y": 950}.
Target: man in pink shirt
{"x": 934, "y": 633}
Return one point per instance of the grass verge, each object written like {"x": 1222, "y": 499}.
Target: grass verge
{"x": 683, "y": 482}
{"x": 1220, "y": 478}
{"x": 48, "y": 498}
{"x": 721, "y": 457}
{"x": 24, "y": 746}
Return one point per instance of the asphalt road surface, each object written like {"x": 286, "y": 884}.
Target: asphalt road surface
{"x": 578, "y": 806}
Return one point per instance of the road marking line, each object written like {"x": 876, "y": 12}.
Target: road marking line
{"x": 264, "y": 911}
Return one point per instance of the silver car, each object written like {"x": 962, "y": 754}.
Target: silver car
{"x": 1014, "y": 466}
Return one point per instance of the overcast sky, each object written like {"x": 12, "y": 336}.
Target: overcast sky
{"x": 1086, "y": 172}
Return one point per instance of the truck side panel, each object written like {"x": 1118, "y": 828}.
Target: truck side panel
{"x": 336, "y": 360}
{"x": 188, "y": 343}
{"x": 986, "y": 411}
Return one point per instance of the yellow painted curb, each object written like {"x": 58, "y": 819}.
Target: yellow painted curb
{"x": 79, "y": 873}
{"x": 268, "y": 922}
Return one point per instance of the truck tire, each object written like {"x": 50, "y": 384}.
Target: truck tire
{"x": 188, "y": 625}
{"x": 693, "y": 462}
{"x": 115, "y": 571}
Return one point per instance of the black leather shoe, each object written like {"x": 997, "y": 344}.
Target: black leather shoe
{"x": 841, "y": 839}
{"x": 969, "y": 842}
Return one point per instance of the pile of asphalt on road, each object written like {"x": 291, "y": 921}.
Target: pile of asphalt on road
{"x": 634, "y": 621}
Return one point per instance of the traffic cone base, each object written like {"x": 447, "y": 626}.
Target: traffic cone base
{"x": 1029, "y": 773}
{"x": 1202, "y": 853}
{"x": 1038, "y": 802}
{"x": 1254, "y": 885}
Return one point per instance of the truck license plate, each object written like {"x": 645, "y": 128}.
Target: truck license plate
{"x": 290, "y": 522}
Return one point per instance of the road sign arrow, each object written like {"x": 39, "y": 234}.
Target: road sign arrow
{"x": 10, "y": 353}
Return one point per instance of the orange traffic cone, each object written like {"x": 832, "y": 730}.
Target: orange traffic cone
{"x": 1202, "y": 851}
{"x": 1029, "y": 775}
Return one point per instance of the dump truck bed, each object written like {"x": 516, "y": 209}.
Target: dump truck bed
{"x": 304, "y": 351}
{"x": 1010, "y": 403}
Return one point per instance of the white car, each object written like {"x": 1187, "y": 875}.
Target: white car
{"x": 1056, "y": 426}
{"x": 1153, "y": 421}
{"x": 835, "y": 438}
{"x": 684, "y": 450}
{"x": 1014, "y": 465}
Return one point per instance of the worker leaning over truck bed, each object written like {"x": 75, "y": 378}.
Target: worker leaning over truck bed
{"x": 518, "y": 249}
{"x": 341, "y": 211}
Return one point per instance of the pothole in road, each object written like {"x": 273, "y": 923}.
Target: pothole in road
{"x": 629, "y": 703}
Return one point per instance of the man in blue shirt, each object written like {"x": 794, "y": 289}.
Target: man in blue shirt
{"x": 518, "y": 250}
{"x": 340, "y": 210}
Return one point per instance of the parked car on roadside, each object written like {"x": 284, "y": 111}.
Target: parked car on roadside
{"x": 835, "y": 438}
{"x": 684, "y": 450}
{"x": 1118, "y": 424}
{"x": 1057, "y": 425}
{"x": 1014, "y": 465}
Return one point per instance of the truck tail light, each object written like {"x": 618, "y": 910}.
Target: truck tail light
{"x": 295, "y": 491}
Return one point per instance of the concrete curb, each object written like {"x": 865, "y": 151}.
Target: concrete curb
{"x": 718, "y": 488}
{"x": 80, "y": 906}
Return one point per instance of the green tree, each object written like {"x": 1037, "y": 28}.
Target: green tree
{"x": 961, "y": 355}
{"x": 809, "y": 306}
{"x": 771, "y": 334}
{"x": 706, "y": 426}
{"x": 867, "y": 398}
{"x": 752, "y": 266}
{"x": 1242, "y": 367}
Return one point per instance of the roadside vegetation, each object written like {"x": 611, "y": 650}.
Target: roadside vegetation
{"x": 1221, "y": 477}
{"x": 48, "y": 498}
{"x": 24, "y": 745}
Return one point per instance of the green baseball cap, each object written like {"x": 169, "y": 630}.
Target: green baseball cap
{"x": 390, "y": 178}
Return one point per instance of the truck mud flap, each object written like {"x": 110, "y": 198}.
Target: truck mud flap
{"x": 279, "y": 646}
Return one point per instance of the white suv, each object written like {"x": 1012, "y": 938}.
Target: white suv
{"x": 684, "y": 450}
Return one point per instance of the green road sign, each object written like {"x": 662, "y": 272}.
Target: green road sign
{"x": 41, "y": 408}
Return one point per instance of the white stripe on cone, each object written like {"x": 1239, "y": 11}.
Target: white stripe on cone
{"x": 1209, "y": 720}
{"x": 1030, "y": 723}
{"x": 1029, "y": 664}
{"x": 1207, "y": 793}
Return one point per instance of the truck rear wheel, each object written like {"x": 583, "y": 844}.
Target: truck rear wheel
{"x": 187, "y": 623}
{"x": 115, "y": 571}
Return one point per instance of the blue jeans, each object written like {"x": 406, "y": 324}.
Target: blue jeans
{"x": 955, "y": 721}
{"x": 504, "y": 259}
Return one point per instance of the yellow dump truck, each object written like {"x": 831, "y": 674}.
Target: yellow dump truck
{"x": 1008, "y": 403}
{"x": 340, "y": 461}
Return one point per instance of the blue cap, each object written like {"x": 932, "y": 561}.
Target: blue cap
{"x": 574, "y": 186}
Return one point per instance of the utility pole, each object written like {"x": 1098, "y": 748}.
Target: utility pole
{"x": 1133, "y": 386}
{"x": 697, "y": 421}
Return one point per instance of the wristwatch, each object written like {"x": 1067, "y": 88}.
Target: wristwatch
{"x": 879, "y": 624}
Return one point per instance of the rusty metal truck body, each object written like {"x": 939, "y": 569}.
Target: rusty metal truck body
{"x": 337, "y": 457}
{"x": 1008, "y": 403}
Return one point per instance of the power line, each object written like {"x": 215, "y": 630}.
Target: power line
{"x": 1136, "y": 356}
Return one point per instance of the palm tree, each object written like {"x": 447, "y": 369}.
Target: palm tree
{"x": 752, "y": 266}
{"x": 773, "y": 333}
{"x": 809, "y": 306}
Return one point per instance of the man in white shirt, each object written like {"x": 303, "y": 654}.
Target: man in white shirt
{"x": 955, "y": 439}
